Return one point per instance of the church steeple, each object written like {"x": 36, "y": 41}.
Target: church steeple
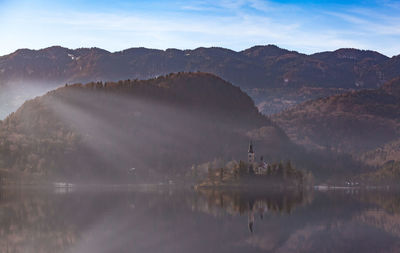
{"x": 251, "y": 155}
{"x": 251, "y": 147}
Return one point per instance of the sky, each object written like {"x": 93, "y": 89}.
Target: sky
{"x": 305, "y": 26}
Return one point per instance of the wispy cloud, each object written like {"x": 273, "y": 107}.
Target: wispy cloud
{"x": 236, "y": 24}
{"x": 233, "y": 5}
{"x": 391, "y": 4}
{"x": 370, "y": 22}
{"x": 348, "y": 18}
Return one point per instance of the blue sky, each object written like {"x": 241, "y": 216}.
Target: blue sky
{"x": 306, "y": 26}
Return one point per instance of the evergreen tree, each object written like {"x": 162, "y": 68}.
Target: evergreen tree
{"x": 243, "y": 169}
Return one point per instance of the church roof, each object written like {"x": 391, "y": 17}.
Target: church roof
{"x": 251, "y": 147}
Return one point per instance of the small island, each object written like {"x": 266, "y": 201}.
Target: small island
{"x": 256, "y": 174}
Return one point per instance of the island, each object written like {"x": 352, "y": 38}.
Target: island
{"x": 256, "y": 175}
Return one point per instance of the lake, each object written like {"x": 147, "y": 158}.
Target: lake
{"x": 163, "y": 219}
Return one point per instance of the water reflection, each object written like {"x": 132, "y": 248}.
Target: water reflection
{"x": 34, "y": 223}
{"x": 254, "y": 203}
{"x": 168, "y": 220}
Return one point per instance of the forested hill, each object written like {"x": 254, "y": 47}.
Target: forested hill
{"x": 256, "y": 67}
{"x": 160, "y": 127}
{"x": 275, "y": 78}
{"x": 354, "y": 122}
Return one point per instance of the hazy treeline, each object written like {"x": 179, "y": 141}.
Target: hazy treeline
{"x": 155, "y": 129}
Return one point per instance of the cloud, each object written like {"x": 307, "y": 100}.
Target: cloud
{"x": 391, "y": 4}
{"x": 370, "y": 22}
{"x": 261, "y": 5}
{"x": 233, "y": 5}
{"x": 236, "y": 24}
{"x": 349, "y": 18}
{"x": 161, "y": 27}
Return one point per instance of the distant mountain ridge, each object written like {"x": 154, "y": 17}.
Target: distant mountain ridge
{"x": 275, "y": 78}
{"x": 256, "y": 67}
{"x": 363, "y": 123}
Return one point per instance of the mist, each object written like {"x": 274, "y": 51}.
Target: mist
{"x": 138, "y": 130}
{"x": 122, "y": 133}
{"x": 13, "y": 95}
{"x": 148, "y": 131}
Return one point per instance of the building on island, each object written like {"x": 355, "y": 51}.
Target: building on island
{"x": 259, "y": 168}
{"x": 251, "y": 154}
{"x": 262, "y": 167}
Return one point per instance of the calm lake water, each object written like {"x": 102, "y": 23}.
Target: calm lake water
{"x": 171, "y": 220}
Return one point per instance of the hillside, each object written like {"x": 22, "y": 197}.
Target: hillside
{"x": 354, "y": 122}
{"x": 265, "y": 72}
{"x": 388, "y": 174}
{"x": 160, "y": 127}
{"x": 256, "y": 67}
{"x": 388, "y": 152}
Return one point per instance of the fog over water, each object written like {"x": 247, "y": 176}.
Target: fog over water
{"x": 154, "y": 219}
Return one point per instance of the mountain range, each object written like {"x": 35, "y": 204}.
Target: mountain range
{"x": 364, "y": 123}
{"x": 275, "y": 78}
{"x": 334, "y": 104}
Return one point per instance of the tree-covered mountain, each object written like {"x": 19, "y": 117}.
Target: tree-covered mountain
{"x": 354, "y": 122}
{"x": 387, "y": 174}
{"x": 268, "y": 73}
{"x": 388, "y": 152}
{"x": 146, "y": 130}
{"x": 256, "y": 67}
{"x": 152, "y": 129}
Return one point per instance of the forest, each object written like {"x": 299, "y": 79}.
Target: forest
{"x": 135, "y": 131}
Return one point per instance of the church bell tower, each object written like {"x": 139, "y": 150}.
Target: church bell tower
{"x": 251, "y": 155}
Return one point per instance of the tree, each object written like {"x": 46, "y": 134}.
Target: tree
{"x": 210, "y": 173}
{"x": 242, "y": 168}
{"x": 280, "y": 171}
{"x": 195, "y": 173}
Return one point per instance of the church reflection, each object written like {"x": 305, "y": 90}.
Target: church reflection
{"x": 181, "y": 220}
{"x": 255, "y": 205}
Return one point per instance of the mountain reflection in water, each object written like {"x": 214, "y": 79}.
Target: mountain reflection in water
{"x": 167, "y": 220}
{"x": 254, "y": 203}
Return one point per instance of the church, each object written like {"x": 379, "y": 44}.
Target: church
{"x": 258, "y": 168}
